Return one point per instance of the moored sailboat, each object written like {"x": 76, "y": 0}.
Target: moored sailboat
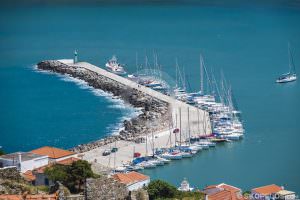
{"x": 291, "y": 75}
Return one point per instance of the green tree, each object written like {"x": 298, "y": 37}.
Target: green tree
{"x": 57, "y": 173}
{"x": 160, "y": 189}
{"x": 72, "y": 176}
{"x": 78, "y": 172}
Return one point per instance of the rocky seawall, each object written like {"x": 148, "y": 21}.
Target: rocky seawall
{"x": 155, "y": 114}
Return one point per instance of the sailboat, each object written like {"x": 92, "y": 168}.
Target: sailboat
{"x": 291, "y": 75}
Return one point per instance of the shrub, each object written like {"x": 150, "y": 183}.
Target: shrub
{"x": 72, "y": 176}
{"x": 161, "y": 189}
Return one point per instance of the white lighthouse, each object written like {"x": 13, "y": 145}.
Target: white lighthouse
{"x": 75, "y": 56}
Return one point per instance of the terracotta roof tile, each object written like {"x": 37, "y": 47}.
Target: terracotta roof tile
{"x": 222, "y": 195}
{"x": 52, "y": 152}
{"x": 130, "y": 177}
{"x": 28, "y": 175}
{"x": 41, "y": 197}
{"x": 229, "y": 187}
{"x": 223, "y": 192}
{"x": 10, "y": 197}
{"x": 68, "y": 161}
{"x": 267, "y": 190}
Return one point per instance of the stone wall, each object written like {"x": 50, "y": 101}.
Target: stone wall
{"x": 10, "y": 173}
{"x": 140, "y": 194}
{"x": 105, "y": 188}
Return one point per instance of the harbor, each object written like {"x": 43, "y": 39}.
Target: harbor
{"x": 170, "y": 127}
{"x": 255, "y": 45}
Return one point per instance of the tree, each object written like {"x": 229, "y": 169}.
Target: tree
{"x": 72, "y": 176}
{"x": 161, "y": 189}
{"x": 78, "y": 172}
{"x": 57, "y": 173}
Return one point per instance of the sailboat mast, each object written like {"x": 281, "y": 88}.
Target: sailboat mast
{"x": 152, "y": 142}
{"x": 176, "y": 63}
{"x": 170, "y": 129}
{"x": 136, "y": 62}
{"x": 189, "y": 128}
{"x": 180, "y": 126}
{"x": 176, "y": 128}
{"x": 291, "y": 61}
{"x": 146, "y": 144}
{"x": 198, "y": 121}
{"x": 201, "y": 75}
{"x": 204, "y": 123}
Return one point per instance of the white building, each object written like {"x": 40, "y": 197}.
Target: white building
{"x": 185, "y": 186}
{"x": 24, "y": 161}
{"x": 286, "y": 195}
{"x": 132, "y": 180}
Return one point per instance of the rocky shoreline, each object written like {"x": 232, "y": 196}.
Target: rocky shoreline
{"x": 155, "y": 114}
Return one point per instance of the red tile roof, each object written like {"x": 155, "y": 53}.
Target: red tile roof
{"x": 52, "y": 152}
{"x": 41, "y": 197}
{"x": 267, "y": 190}
{"x": 222, "y": 195}
{"x": 10, "y": 197}
{"x": 130, "y": 177}
{"x": 229, "y": 187}
{"x": 28, "y": 175}
{"x": 29, "y": 197}
{"x": 67, "y": 161}
{"x": 223, "y": 192}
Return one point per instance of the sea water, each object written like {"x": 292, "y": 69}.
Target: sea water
{"x": 247, "y": 42}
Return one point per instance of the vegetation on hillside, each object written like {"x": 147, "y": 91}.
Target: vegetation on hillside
{"x": 72, "y": 176}
{"x": 159, "y": 189}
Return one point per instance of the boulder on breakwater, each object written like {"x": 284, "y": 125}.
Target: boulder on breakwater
{"x": 155, "y": 113}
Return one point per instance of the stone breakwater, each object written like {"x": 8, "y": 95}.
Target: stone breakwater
{"x": 155, "y": 113}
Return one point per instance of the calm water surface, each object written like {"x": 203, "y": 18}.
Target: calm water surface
{"x": 248, "y": 43}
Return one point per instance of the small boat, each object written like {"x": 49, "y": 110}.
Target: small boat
{"x": 172, "y": 156}
{"x": 187, "y": 154}
{"x": 157, "y": 162}
{"x": 233, "y": 136}
{"x": 218, "y": 140}
{"x": 166, "y": 161}
{"x": 113, "y": 66}
{"x": 134, "y": 168}
{"x": 291, "y": 75}
{"x": 121, "y": 169}
{"x": 204, "y": 146}
{"x": 146, "y": 165}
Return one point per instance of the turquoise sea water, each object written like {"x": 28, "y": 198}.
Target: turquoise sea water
{"x": 249, "y": 43}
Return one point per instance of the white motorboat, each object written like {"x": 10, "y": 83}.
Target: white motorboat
{"x": 113, "y": 66}
{"x": 187, "y": 154}
{"x": 172, "y": 156}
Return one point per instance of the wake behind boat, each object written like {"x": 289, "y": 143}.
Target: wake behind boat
{"x": 291, "y": 75}
{"x": 113, "y": 66}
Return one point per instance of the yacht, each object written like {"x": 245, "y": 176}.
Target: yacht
{"x": 113, "y": 66}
